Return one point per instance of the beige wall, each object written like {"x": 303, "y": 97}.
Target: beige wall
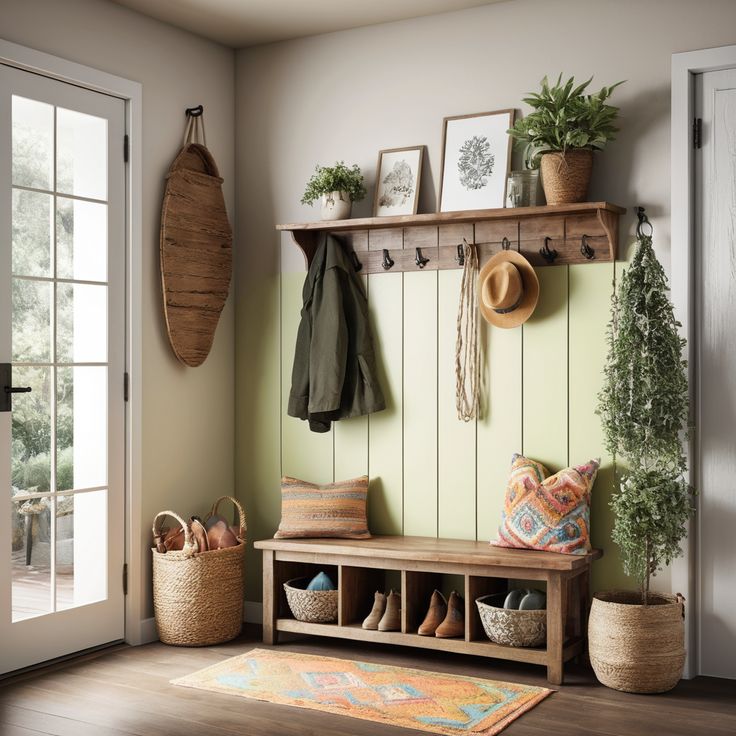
{"x": 346, "y": 95}
{"x": 187, "y": 413}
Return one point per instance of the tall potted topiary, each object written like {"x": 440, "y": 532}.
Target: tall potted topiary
{"x": 564, "y": 128}
{"x": 337, "y": 187}
{"x": 636, "y": 639}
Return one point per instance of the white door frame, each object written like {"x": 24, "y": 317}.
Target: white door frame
{"x": 54, "y": 67}
{"x": 684, "y": 66}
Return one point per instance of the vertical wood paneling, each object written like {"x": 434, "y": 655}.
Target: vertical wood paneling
{"x": 305, "y": 454}
{"x": 545, "y": 372}
{"x": 420, "y": 403}
{"x": 456, "y": 466}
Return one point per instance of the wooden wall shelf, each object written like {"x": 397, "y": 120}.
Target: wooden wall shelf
{"x": 438, "y": 235}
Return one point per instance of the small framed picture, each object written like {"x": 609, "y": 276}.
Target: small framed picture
{"x": 397, "y": 181}
{"x": 476, "y": 157}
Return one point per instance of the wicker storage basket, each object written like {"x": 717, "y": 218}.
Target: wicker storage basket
{"x": 312, "y": 606}
{"x": 565, "y": 177}
{"x": 509, "y": 626}
{"x": 198, "y": 596}
{"x": 635, "y": 648}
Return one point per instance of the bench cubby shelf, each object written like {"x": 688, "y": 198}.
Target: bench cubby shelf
{"x": 563, "y": 228}
{"x": 362, "y": 567}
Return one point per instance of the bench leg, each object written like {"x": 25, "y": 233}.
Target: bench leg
{"x": 270, "y": 599}
{"x": 556, "y": 604}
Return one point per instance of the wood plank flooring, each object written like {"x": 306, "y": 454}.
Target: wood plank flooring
{"x": 125, "y": 691}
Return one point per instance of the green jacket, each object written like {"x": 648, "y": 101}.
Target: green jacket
{"x": 334, "y": 375}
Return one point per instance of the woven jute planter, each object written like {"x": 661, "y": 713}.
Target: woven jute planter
{"x": 509, "y": 626}
{"x": 312, "y": 606}
{"x": 566, "y": 176}
{"x": 198, "y": 596}
{"x": 636, "y": 648}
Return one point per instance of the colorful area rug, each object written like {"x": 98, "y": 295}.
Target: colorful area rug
{"x": 428, "y": 701}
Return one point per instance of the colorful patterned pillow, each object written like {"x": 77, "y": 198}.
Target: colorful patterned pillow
{"x": 332, "y": 510}
{"x": 547, "y": 512}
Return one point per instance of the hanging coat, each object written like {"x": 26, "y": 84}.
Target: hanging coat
{"x": 334, "y": 375}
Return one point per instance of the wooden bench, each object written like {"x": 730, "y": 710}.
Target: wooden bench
{"x": 360, "y": 567}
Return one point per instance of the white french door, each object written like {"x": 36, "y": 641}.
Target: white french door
{"x": 62, "y": 358}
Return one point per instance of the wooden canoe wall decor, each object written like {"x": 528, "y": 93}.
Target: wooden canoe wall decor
{"x": 196, "y": 247}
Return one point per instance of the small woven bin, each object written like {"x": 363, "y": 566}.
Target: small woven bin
{"x": 312, "y": 606}
{"x": 509, "y": 626}
{"x": 198, "y": 596}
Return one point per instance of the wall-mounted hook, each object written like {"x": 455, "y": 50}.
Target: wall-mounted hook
{"x": 585, "y": 248}
{"x": 505, "y": 243}
{"x": 549, "y": 254}
{"x": 460, "y": 257}
{"x": 419, "y": 259}
{"x": 194, "y": 112}
{"x": 357, "y": 265}
{"x": 387, "y": 262}
{"x": 643, "y": 222}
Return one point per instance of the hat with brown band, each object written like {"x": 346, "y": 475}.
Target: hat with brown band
{"x": 508, "y": 289}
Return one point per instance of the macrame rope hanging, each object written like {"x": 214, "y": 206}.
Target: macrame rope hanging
{"x": 194, "y": 131}
{"x": 467, "y": 367}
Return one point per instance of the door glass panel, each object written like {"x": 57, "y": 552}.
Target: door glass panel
{"x": 81, "y": 158}
{"x": 31, "y": 557}
{"x": 81, "y": 549}
{"x": 81, "y": 434}
{"x": 81, "y": 323}
{"x": 31, "y": 321}
{"x": 33, "y": 143}
{"x": 32, "y": 233}
{"x": 81, "y": 240}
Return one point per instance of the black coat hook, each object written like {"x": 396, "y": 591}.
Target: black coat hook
{"x": 419, "y": 259}
{"x": 387, "y": 262}
{"x": 549, "y": 254}
{"x": 194, "y": 112}
{"x": 505, "y": 243}
{"x": 643, "y": 222}
{"x": 585, "y": 248}
{"x": 460, "y": 257}
{"x": 357, "y": 265}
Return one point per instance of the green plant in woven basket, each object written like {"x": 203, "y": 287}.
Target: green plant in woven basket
{"x": 563, "y": 116}
{"x": 337, "y": 178}
{"x": 644, "y": 408}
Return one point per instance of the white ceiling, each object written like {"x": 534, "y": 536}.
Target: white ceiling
{"x": 240, "y": 23}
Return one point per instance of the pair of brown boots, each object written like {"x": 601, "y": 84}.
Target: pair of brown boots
{"x": 385, "y": 614}
{"x": 445, "y": 619}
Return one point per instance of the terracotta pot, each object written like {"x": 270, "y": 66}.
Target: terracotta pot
{"x": 566, "y": 176}
{"x": 636, "y": 648}
{"x": 336, "y": 206}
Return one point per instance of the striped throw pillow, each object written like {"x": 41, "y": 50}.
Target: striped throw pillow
{"x": 332, "y": 510}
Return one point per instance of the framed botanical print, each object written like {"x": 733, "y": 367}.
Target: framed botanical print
{"x": 397, "y": 181}
{"x": 476, "y": 157}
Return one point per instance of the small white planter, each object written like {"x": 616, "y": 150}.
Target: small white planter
{"x": 336, "y": 206}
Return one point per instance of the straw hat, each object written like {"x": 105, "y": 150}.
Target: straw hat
{"x": 508, "y": 289}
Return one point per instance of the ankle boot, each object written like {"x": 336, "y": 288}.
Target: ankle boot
{"x": 379, "y": 607}
{"x": 454, "y": 623}
{"x": 435, "y": 615}
{"x": 391, "y": 620}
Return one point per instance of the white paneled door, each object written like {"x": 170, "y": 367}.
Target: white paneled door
{"x": 62, "y": 352}
{"x": 716, "y": 348}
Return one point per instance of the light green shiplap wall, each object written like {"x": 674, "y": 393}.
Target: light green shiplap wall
{"x": 432, "y": 474}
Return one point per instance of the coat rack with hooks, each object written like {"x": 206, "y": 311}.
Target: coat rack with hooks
{"x": 554, "y": 235}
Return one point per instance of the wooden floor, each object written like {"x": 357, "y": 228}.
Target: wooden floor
{"x": 126, "y": 690}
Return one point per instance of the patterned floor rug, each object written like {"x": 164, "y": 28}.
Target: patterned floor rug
{"x": 397, "y": 696}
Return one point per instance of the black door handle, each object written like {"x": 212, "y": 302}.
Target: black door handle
{"x": 6, "y": 381}
{"x": 18, "y": 389}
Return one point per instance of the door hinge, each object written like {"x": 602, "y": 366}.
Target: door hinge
{"x": 125, "y": 579}
{"x": 697, "y": 133}
{"x": 126, "y": 383}
{"x": 126, "y": 148}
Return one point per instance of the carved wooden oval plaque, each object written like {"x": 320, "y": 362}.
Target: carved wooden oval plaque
{"x": 196, "y": 253}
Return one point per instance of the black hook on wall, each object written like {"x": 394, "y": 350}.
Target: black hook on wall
{"x": 419, "y": 259}
{"x": 387, "y": 262}
{"x": 460, "y": 257}
{"x": 585, "y": 248}
{"x": 643, "y": 222}
{"x": 549, "y": 254}
{"x": 357, "y": 265}
{"x": 505, "y": 243}
{"x": 194, "y": 112}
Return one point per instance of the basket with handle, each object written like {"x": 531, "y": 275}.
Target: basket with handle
{"x": 198, "y": 596}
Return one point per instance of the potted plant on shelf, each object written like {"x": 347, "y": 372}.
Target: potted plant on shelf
{"x": 564, "y": 128}
{"x": 337, "y": 187}
{"x": 636, "y": 639}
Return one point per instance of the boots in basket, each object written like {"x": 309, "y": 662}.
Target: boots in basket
{"x": 454, "y": 623}
{"x": 379, "y": 607}
{"x": 435, "y": 615}
{"x": 391, "y": 620}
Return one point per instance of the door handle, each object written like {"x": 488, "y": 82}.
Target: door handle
{"x": 6, "y": 381}
{"x": 18, "y": 389}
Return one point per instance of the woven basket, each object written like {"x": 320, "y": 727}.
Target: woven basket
{"x": 509, "y": 626}
{"x": 312, "y": 606}
{"x": 565, "y": 177}
{"x": 198, "y": 596}
{"x": 635, "y": 648}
